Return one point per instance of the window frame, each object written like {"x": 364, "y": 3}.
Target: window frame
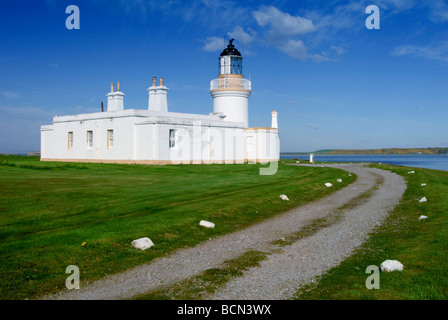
{"x": 89, "y": 139}
{"x": 172, "y": 138}
{"x": 110, "y": 138}
{"x": 70, "y": 140}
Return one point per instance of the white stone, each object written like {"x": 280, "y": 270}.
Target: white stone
{"x": 142, "y": 243}
{"x": 206, "y": 224}
{"x": 411, "y": 171}
{"x": 423, "y": 184}
{"x": 423, "y": 199}
{"x": 339, "y": 180}
{"x": 391, "y": 265}
{"x": 422, "y": 217}
{"x": 283, "y": 197}
{"x": 328, "y": 184}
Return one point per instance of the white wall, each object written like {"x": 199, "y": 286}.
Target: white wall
{"x": 262, "y": 144}
{"x": 202, "y": 144}
{"x": 234, "y": 104}
{"x": 55, "y": 142}
{"x": 144, "y": 135}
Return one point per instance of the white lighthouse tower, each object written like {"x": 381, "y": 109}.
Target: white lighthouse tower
{"x": 231, "y": 91}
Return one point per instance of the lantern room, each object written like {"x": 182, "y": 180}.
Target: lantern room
{"x": 230, "y": 60}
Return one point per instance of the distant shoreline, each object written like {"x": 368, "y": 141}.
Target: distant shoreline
{"x": 385, "y": 151}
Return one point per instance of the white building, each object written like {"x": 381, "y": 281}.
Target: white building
{"x": 157, "y": 136}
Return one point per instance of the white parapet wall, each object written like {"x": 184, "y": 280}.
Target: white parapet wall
{"x": 262, "y": 144}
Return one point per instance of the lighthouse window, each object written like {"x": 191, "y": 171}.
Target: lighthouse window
{"x": 173, "y": 137}
{"x": 237, "y": 66}
{"x": 230, "y": 65}
{"x": 224, "y": 65}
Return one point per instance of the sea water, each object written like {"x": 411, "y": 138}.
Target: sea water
{"x": 429, "y": 161}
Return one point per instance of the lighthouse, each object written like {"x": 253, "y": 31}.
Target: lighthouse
{"x": 230, "y": 91}
{"x": 154, "y": 135}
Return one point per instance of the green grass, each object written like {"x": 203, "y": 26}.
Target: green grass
{"x": 49, "y": 209}
{"x": 420, "y": 245}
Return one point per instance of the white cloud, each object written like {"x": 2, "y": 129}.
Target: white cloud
{"x": 312, "y": 126}
{"x": 27, "y": 113}
{"x": 242, "y": 36}
{"x": 214, "y": 44}
{"x": 437, "y": 52}
{"x": 320, "y": 57}
{"x": 338, "y": 50}
{"x": 282, "y": 23}
{"x": 295, "y": 49}
{"x": 282, "y": 30}
{"x": 342, "y": 17}
{"x": 397, "y": 5}
{"x": 438, "y": 11}
{"x": 211, "y": 14}
{"x": 298, "y": 50}
{"x": 10, "y": 95}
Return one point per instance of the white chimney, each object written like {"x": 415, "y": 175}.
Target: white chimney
{"x": 274, "y": 123}
{"x": 115, "y": 99}
{"x": 157, "y": 100}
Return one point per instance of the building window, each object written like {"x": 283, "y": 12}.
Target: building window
{"x": 90, "y": 139}
{"x": 70, "y": 140}
{"x": 110, "y": 139}
{"x": 173, "y": 137}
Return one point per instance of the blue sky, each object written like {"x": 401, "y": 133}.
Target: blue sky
{"x": 334, "y": 83}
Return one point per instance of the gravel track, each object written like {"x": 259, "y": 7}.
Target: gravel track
{"x": 284, "y": 271}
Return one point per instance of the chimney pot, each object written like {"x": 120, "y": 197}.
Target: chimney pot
{"x": 161, "y": 81}
{"x": 118, "y": 86}
{"x": 111, "y": 87}
{"x": 153, "y": 81}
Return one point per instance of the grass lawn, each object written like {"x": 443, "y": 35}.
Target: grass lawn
{"x": 53, "y": 215}
{"x": 420, "y": 245}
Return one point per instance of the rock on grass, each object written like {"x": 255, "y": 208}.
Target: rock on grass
{"x": 391, "y": 265}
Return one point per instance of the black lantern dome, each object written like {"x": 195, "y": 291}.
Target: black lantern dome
{"x": 230, "y": 50}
